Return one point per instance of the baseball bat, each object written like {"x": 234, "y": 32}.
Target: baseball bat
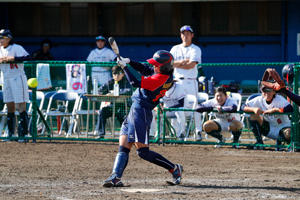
{"x": 114, "y": 46}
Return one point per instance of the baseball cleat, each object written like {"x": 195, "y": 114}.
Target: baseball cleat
{"x": 177, "y": 175}
{"x": 113, "y": 181}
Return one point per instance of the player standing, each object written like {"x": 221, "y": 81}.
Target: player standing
{"x": 135, "y": 129}
{"x": 186, "y": 57}
{"x": 15, "y": 89}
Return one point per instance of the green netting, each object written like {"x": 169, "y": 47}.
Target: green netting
{"x": 165, "y": 132}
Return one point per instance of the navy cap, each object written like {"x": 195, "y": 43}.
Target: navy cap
{"x": 5, "y": 33}
{"x": 100, "y": 37}
{"x": 186, "y": 28}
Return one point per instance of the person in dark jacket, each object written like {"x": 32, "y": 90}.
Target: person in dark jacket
{"x": 44, "y": 52}
{"x": 106, "y": 111}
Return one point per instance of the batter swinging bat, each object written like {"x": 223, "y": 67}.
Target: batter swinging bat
{"x": 114, "y": 46}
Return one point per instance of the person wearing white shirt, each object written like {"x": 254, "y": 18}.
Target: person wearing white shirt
{"x": 101, "y": 54}
{"x": 277, "y": 127}
{"x": 186, "y": 57}
{"x": 225, "y": 118}
{"x": 15, "y": 89}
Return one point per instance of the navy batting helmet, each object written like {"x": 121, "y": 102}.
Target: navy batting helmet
{"x": 164, "y": 60}
{"x": 5, "y": 33}
{"x": 288, "y": 73}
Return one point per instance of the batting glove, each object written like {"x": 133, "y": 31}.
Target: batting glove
{"x": 122, "y": 62}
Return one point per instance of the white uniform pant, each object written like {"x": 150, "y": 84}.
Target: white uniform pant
{"x": 15, "y": 89}
{"x": 101, "y": 74}
{"x": 190, "y": 86}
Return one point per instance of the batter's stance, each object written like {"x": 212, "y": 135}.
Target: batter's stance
{"x": 135, "y": 129}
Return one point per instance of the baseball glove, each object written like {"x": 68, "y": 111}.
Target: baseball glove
{"x": 270, "y": 74}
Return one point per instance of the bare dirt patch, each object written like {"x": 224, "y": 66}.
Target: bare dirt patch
{"x": 76, "y": 170}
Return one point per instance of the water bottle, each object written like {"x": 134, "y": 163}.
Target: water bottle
{"x": 201, "y": 80}
{"x": 211, "y": 86}
{"x": 95, "y": 87}
{"x": 205, "y": 88}
{"x": 116, "y": 89}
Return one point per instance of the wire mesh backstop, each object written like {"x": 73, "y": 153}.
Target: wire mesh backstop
{"x": 81, "y": 122}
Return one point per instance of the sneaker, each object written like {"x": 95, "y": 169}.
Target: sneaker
{"x": 198, "y": 136}
{"x": 235, "y": 146}
{"x": 220, "y": 143}
{"x": 113, "y": 181}
{"x": 21, "y": 140}
{"x": 7, "y": 140}
{"x": 177, "y": 175}
{"x": 258, "y": 147}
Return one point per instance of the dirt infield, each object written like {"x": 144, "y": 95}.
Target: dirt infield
{"x": 67, "y": 171}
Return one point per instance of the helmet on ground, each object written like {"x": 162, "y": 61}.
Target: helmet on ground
{"x": 5, "y": 33}
{"x": 288, "y": 73}
{"x": 164, "y": 60}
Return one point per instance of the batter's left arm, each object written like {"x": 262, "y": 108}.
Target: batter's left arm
{"x": 131, "y": 78}
{"x": 144, "y": 70}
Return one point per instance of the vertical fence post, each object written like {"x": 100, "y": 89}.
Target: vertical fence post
{"x": 164, "y": 127}
{"x": 34, "y": 105}
{"x": 158, "y": 124}
{"x": 34, "y": 115}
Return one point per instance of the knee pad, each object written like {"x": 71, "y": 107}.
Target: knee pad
{"x": 235, "y": 126}
{"x": 210, "y": 126}
{"x": 121, "y": 161}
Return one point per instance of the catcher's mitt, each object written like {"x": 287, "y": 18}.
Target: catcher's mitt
{"x": 270, "y": 74}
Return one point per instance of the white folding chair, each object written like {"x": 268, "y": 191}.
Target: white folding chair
{"x": 79, "y": 113}
{"x": 64, "y": 98}
{"x": 40, "y": 97}
{"x": 202, "y": 97}
{"x": 238, "y": 98}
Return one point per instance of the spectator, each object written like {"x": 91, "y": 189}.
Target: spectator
{"x": 224, "y": 121}
{"x": 15, "y": 89}
{"x": 101, "y": 54}
{"x": 44, "y": 52}
{"x": 277, "y": 127}
{"x": 107, "y": 111}
{"x": 186, "y": 57}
